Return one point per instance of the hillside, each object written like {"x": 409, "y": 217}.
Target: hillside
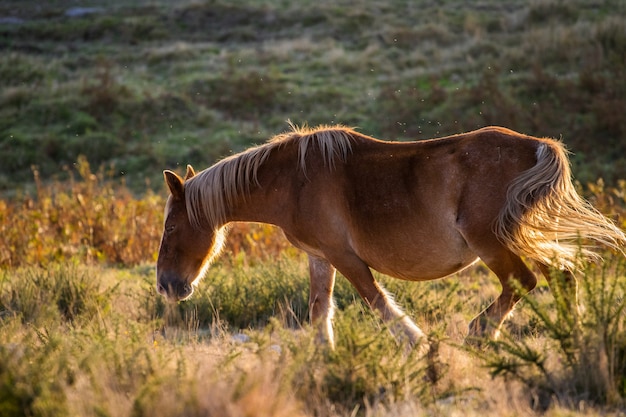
{"x": 139, "y": 86}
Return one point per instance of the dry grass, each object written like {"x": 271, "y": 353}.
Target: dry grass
{"x": 100, "y": 342}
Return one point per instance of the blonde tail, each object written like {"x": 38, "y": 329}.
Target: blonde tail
{"x": 546, "y": 220}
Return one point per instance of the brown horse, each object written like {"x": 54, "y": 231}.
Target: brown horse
{"x": 412, "y": 210}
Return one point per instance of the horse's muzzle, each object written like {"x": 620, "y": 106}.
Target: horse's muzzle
{"x": 173, "y": 288}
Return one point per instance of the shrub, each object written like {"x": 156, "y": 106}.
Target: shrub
{"x": 32, "y": 387}
{"x": 367, "y": 368}
{"x": 39, "y": 295}
{"x": 18, "y": 69}
{"x": 87, "y": 219}
{"x": 583, "y": 358}
{"x": 91, "y": 218}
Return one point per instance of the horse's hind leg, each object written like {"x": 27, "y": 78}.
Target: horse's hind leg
{"x": 516, "y": 280}
{"x": 322, "y": 281}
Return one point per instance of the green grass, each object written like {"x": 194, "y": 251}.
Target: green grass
{"x": 145, "y": 85}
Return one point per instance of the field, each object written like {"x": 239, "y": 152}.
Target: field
{"x": 96, "y": 102}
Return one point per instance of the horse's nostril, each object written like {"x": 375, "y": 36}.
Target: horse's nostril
{"x": 187, "y": 291}
{"x": 173, "y": 288}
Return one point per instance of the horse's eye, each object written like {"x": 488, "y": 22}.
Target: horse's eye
{"x": 170, "y": 228}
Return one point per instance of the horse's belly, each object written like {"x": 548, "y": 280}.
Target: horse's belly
{"x": 430, "y": 259}
{"x": 423, "y": 269}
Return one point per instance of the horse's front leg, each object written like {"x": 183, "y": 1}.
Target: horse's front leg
{"x": 321, "y": 307}
{"x": 360, "y": 276}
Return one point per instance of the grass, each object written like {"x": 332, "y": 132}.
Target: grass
{"x": 96, "y": 343}
{"x": 581, "y": 357}
{"x": 139, "y": 86}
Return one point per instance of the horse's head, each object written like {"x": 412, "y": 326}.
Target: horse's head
{"x": 185, "y": 250}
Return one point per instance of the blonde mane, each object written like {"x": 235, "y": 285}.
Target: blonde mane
{"x": 210, "y": 192}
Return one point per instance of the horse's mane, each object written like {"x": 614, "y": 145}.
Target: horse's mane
{"x": 211, "y": 191}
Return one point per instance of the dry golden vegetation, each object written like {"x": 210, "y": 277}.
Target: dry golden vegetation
{"x": 93, "y": 219}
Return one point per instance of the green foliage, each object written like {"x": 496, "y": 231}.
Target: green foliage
{"x": 32, "y": 386}
{"x": 245, "y": 296}
{"x": 553, "y": 11}
{"x": 244, "y": 293}
{"x": 95, "y": 345}
{"x": 246, "y": 96}
{"x": 19, "y": 69}
{"x": 370, "y": 366}
{"x": 366, "y": 367}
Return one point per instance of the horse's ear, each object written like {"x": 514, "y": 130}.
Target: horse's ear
{"x": 190, "y": 172}
{"x": 174, "y": 183}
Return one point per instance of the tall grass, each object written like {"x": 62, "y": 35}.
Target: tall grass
{"x": 86, "y": 218}
{"x": 99, "y": 341}
{"x": 94, "y": 350}
{"x": 93, "y": 218}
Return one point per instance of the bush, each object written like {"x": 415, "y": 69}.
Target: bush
{"x": 583, "y": 356}
{"x": 241, "y": 95}
{"x": 88, "y": 219}
{"x": 59, "y": 292}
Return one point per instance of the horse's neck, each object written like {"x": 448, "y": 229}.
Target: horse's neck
{"x": 270, "y": 199}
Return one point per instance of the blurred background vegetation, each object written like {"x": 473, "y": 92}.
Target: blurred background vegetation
{"x": 142, "y": 85}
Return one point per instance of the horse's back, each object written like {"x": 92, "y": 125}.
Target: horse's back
{"x": 436, "y": 176}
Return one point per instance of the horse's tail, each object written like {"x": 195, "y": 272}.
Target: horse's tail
{"x": 546, "y": 220}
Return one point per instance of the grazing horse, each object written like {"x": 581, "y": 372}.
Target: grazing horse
{"x": 412, "y": 210}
